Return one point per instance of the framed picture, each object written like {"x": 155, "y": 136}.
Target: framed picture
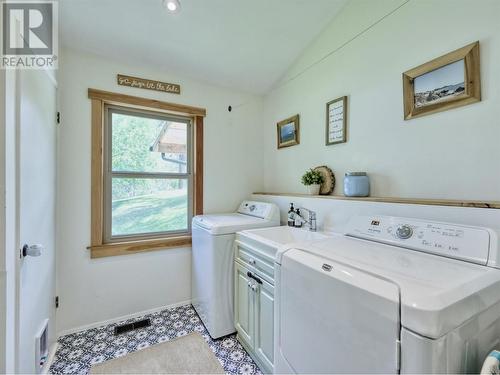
{"x": 450, "y": 81}
{"x": 336, "y": 121}
{"x": 288, "y": 132}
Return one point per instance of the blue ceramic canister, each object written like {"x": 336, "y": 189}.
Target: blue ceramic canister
{"x": 356, "y": 184}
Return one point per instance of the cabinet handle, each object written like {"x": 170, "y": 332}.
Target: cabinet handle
{"x": 251, "y": 261}
{"x": 252, "y": 276}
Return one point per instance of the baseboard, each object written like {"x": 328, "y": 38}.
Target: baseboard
{"x": 120, "y": 318}
{"x": 51, "y": 357}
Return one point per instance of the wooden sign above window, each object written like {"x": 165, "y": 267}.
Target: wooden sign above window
{"x": 148, "y": 84}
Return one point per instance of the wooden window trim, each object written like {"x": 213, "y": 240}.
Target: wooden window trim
{"x": 149, "y": 104}
{"x": 98, "y": 248}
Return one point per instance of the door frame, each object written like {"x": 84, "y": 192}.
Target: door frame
{"x": 3, "y": 231}
{"x": 9, "y": 262}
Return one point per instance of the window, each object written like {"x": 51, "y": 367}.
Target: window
{"x": 147, "y": 173}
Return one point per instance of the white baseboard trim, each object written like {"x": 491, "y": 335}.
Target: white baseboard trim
{"x": 51, "y": 357}
{"x": 121, "y": 318}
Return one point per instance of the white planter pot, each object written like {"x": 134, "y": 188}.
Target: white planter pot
{"x": 313, "y": 189}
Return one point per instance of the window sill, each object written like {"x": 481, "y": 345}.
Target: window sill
{"x": 133, "y": 247}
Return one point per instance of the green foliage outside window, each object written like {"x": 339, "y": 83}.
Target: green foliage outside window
{"x": 132, "y": 138}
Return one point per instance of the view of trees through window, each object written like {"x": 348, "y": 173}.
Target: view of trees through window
{"x": 149, "y": 165}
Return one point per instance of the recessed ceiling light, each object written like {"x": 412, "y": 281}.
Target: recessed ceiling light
{"x": 173, "y": 6}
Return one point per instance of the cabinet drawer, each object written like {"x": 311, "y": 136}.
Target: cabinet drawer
{"x": 251, "y": 257}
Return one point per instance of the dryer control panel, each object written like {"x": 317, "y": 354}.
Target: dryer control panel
{"x": 450, "y": 240}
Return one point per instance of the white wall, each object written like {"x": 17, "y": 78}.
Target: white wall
{"x": 452, "y": 154}
{"x": 96, "y": 290}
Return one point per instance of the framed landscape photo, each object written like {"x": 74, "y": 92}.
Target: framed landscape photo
{"x": 336, "y": 121}
{"x": 288, "y": 132}
{"x": 450, "y": 81}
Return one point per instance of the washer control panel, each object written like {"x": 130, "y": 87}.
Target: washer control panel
{"x": 257, "y": 209}
{"x": 451, "y": 240}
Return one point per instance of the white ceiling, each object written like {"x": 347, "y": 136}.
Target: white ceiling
{"x": 242, "y": 44}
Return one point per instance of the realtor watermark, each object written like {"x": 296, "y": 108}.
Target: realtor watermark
{"x": 29, "y": 34}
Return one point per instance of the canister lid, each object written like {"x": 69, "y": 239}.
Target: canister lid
{"x": 355, "y": 174}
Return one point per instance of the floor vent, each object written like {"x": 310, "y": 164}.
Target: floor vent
{"x": 132, "y": 326}
{"x": 42, "y": 347}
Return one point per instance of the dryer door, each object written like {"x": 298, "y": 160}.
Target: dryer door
{"x": 335, "y": 319}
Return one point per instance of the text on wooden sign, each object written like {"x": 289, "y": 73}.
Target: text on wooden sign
{"x": 142, "y": 83}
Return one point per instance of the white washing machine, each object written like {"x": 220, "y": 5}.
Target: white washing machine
{"x": 213, "y": 258}
{"x": 393, "y": 295}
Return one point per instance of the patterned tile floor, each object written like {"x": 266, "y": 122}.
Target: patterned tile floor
{"x": 79, "y": 351}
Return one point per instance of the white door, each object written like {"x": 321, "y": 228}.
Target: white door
{"x": 36, "y": 186}
{"x": 334, "y": 319}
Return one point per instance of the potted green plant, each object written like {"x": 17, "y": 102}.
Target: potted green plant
{"x": 313, "y": 179}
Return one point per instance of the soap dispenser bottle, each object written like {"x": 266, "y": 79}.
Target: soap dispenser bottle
{"x": 298, "y": 219}
{"x": 291, "y": 216}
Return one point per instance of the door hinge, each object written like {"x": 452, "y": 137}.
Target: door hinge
{"x": 58, "y": 117}
{"x": 57, "y": 302}
{"x": 398, "y": 355}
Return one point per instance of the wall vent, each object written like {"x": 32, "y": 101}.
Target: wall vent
{"x": 132, "y": 326}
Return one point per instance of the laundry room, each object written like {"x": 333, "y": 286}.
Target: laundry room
{"x": 250, "y": 187}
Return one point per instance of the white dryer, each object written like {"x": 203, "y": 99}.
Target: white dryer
{"x": 213, "y": 258}
{"x": 393, "y": 295}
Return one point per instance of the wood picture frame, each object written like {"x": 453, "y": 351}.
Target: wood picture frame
{"x": 288, "y": 132}
{"x": 336, "y": 121}
{"x": 431, "y": 87}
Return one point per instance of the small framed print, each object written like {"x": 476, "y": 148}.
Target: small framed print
{"x": 450, "y": 81}
{"x": 288, "y": 132}
{"x": 336, "y": 121}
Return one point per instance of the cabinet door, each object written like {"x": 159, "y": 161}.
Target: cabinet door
{"x": 264, "y": 326}
{"x": 244, "y": 305}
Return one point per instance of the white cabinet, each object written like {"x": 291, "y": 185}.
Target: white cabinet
{"x": 254, "y": 302}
